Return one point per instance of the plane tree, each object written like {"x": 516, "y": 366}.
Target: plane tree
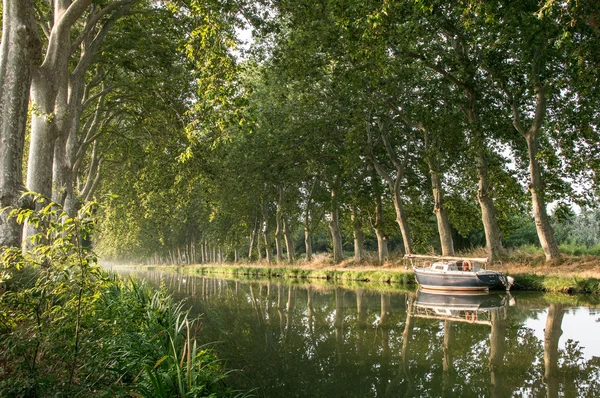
{"x": 19, "y": 53}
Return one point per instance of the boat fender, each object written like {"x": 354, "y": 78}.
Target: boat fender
{"x": 467, "y": 265}
{"x": 510, "y": 281}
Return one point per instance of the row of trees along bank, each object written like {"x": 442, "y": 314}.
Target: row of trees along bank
{"x": 354, "y": 118}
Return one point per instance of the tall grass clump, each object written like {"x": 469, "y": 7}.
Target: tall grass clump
{"x": 68, "y": 328}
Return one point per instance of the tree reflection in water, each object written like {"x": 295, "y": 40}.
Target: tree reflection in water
{"x": 301, "y": 340}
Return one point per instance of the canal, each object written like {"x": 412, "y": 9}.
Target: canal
{"x": 288, "y": 338}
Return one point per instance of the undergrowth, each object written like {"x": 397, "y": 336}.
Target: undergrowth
{"x": 68, "y": 328}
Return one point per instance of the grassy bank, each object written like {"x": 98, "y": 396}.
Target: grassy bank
{"x": 541, "y": 278}
{"x": 131, "y": 340}
{"x": 68, "y": 328}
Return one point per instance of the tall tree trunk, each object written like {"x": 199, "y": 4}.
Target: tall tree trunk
{"x": 49, "y": 95}
{"x": 279, "y": 229}
{"x": 395, "y": 184}
{"x": 69, "y": 146}
{"x": 359, "y": 237}
{"x": 267, "y": 232}
{"x": 382, "y": 240}
{"x": 531, "y": 136}
{"x": 401, "y": 218}
{"x": 334, "y": 228}
{"x": 542, "y": 221}
{"x": 289, "y": 241}
{"x": 382, "y": 246}
{"x": 486, "y": 202}
{"x": 444, "y": 229}
{"x": 493, "y": 235}
{"x": 377, "y": 224}
{"x": 43, "y": 135}
{"x": 251, "y": 246}
{"x": 19, "y": 51}
{"x": 307, "y": 239}
{"x": 259, "y": 256}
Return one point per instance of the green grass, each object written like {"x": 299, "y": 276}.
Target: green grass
{"x": 556, "y": 284}
{"x": 396, "y": 277}
{"x": 524, "y": 281}
{"x": 580, "y": 250}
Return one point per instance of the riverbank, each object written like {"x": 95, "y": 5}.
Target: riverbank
{"x": 124, "y": 338}
{"x": 581, "y": 275}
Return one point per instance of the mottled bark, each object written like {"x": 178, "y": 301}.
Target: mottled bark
{"x": 488, "y": 211}
{"x": 71, "y": 143}
{"x": 253, "y": 233}
{"x": 267, "y": 231}
{"x": 307, "y": 241}
{"x": 382, "y": 240}
{"x": 359, "y": 237}
{"x": 431, "y": 158}
{"x": 289, "y": 241}
{"x": 19, "y": 51}
{"x": 334, "y": 228}
{"x": 49, "y": 96}
{"x": 401, "y": 219}
{"x": 259, "y": 252}
{"x": 493, "y": 235}
{"x": 395, "y": 184}
{"x": 444, "y": 230}
{"x": 279, "y": 228}
{"x": 310, "y": 222}
{"x": 542, "y": 221}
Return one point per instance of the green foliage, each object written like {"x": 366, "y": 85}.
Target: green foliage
{"x": 69, "y": 328}
{"x": 47, "y": 312}
{"x": 304, "y": 111}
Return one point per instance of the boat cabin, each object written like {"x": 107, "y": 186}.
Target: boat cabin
{"x": 460, "y": 265}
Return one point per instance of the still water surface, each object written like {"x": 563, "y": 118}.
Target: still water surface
{"x": 294, "y": 339}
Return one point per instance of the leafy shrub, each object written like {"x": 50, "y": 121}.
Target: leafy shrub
{"x": 69, "y": 328}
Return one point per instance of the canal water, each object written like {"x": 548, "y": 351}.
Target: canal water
{"x": 298, "y": 339}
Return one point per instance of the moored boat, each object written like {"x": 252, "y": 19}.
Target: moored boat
{"x": 463, "y": 274}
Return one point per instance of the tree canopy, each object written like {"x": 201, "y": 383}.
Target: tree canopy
{"x": 340, "y": 126}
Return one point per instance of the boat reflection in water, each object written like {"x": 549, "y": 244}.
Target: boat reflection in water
{"x": 478, "y": 308}
{"x": 460, "y": 307}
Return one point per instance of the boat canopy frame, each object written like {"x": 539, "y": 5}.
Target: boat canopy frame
{"x": 412, "y": 257}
